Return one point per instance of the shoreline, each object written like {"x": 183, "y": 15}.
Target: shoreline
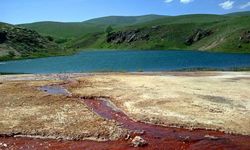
{"x": 75, "y": 51}
{"x": 197, "y": 70}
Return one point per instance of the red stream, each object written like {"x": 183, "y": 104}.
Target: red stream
{"x": 158, "y": 137}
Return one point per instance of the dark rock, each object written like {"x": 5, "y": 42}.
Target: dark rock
{"x": 127, "y": 137}
{"x": 3, "y": 36}
{"x": 245, "y": 37}
{"x": 197, "y": 36}
{"x": 131, "y": 38}
{"x": 50, "y": 38}
{"x": 127, "y": 36}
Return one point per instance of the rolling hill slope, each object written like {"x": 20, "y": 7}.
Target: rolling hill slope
{"x": 223, "y": 33}
{"x": 18, "y": 42}
{"x": 72, "y": 30}
{"x": 124, "y": 20}
{"x": 243, "y": 13}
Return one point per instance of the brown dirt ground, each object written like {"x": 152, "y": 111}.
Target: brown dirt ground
{"x": 27, "y": 111}
{"x": 212, "y": 100}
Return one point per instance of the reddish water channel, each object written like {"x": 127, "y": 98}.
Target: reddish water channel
{"x": 158, "y": 137}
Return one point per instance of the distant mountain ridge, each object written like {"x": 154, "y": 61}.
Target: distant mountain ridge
{"x": 243, "y": 13}
{"x": 74, "y": 29}
{"x": 124, "y": 20}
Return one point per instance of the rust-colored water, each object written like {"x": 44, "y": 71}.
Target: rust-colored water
{"x": 158, "y": 137}
{"x": 171, "y": 138}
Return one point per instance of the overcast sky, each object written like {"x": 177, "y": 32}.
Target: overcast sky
{"x": 26, "y": 11}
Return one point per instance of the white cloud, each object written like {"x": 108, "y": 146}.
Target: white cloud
{"x": 168, "y": 1}
{"x": 227, "y": 4}
{"x": 186, "y": 1}
{"x": 181, "y": 1}
{"x": 245, "y": 5}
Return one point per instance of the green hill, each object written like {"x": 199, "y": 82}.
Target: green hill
{"x": 18, "y": 42}
{"x": 72, "y": 30}
{"x": 124, "y": 20}
{"x": 223, "y": 33}
{"x": 63, "y": 30}
{"x": 243, "y": 13}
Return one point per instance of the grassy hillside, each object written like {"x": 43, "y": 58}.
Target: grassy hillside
{"x": 17, "y": 42}
{"x": 64, "y": 30}
{"x": 226, "y": 33}
{"x": 124, "y": 20}
{"x": 243, "y": 13}
{"x": 73, "y": 30}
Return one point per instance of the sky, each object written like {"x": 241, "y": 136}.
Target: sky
{"x": 27, "y": 11}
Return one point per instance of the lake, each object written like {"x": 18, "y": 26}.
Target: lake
{"x": 131, "y": 61}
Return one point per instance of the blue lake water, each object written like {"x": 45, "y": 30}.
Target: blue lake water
{"x": 132, "y": 61}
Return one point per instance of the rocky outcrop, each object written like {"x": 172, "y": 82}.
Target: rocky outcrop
{"x": 24, "y": 41}
{"x": 127, "y": 36}
{"x": 139, "y": 142}
{"x": 3, "y": 36}
{"x": 197, "y": 36}
{"x": 245, "y": 37}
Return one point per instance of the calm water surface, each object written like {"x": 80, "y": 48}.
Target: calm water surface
{"x": 98, "y": 61}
